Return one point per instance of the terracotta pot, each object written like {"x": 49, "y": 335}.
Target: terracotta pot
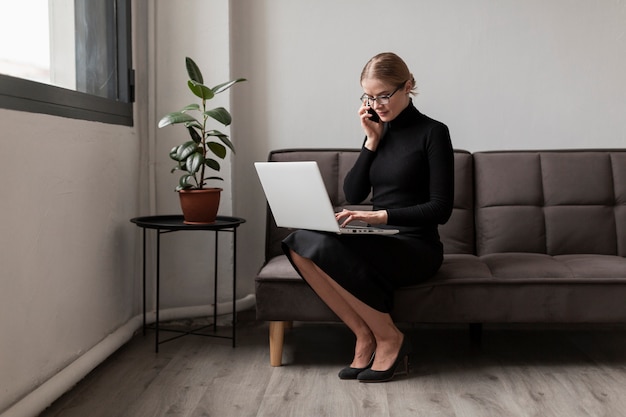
{"x": 200, "y": 206}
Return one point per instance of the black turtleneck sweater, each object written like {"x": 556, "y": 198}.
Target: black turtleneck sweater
{"x": 411, "y": 175}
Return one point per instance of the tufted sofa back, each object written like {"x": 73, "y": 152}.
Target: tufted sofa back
{"x": 552, "y": 202}
{"x": 457, "y": 235}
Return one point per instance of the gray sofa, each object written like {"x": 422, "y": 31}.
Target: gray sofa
{"x": 535, "y": 237}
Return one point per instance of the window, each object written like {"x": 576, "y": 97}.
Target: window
{"x": 68, "y": 58}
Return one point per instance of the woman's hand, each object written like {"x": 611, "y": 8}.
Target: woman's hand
{"x": 369, "y": 217}
{"x": 373, "y": 130}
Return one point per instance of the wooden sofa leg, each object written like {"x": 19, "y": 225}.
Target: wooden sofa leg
{"x": 277, "y": 337}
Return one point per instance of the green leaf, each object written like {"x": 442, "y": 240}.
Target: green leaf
{"x": 216, "y": 133}
{"x": 193, "y": 71}
{"x": 173, "y": 153}
{"x": 176, "y": 117}
{"x": 195, "y": 124}
{"x": 223, "y": 137}
{"x": 214, "y": 178}
{"x": 213, "y": 164}
{"x": 185, "y": 150}
{"x": 200, "y": 90}
{"x": 218, "y": 149}
{"x": 194, "y": 162}
{"x": 185, "y": 182}
{"x": 193, "y": 106}
{"x": 180, "y": 164}
{"x": 228, "y": 143}
{"x": 195, "y": 136}
{"x": 220, "y": 114}
{"x": 225, "y": 86}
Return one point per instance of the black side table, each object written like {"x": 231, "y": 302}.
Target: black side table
{"x": 174, "y": 223}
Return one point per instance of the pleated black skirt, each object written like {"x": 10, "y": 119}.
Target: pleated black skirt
{"x": 370, "y": 267}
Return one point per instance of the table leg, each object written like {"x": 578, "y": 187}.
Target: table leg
{"x": 234, "y": 284}
{"x": 158, "y": 290}
{"x": 215, "y": 285}
{"x": 144, "y": 281}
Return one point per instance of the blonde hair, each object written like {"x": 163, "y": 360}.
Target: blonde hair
{"x": 389, "y": 68}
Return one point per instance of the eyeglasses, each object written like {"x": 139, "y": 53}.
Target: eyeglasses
{"x": 384, "y": 99}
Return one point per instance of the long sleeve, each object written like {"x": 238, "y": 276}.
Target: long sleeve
{"x": 357, "y": 185}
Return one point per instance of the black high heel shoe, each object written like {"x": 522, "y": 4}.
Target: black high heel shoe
{"x": 351, "y": 373}
{"x": 369, "y": 375}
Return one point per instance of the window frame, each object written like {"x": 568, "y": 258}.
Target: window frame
{"x": 31, "y": 96}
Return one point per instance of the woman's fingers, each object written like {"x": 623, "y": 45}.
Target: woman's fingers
{"x": 348, "y": 216}
{"x": 370, "y": 217}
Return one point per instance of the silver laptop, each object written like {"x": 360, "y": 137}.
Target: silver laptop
{"x": 298, "y": 198}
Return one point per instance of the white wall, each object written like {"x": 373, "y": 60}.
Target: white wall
{"x": 67, "y": 251}
{"x": 502, "y": 74}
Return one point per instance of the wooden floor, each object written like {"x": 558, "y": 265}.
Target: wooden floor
{"x": 518, "y": 371}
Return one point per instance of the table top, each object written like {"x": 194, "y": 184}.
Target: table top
{"x": 175, "y": 222}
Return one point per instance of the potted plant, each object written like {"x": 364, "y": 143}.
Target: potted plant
{"x": 200, "y": 155}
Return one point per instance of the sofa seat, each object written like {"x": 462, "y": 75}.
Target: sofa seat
{"x": 277, "y": 280}
{"x": 519, "y": 287}
{"x": 491, "y": 288}
{"x": 518, "y": 268}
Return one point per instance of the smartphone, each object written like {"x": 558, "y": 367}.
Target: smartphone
{"x": 375, "y": 117}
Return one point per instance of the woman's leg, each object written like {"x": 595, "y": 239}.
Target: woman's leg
{"x": 320, "y": 283}
{"x": 371, "y": 327}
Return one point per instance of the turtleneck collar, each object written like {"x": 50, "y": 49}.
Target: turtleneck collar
{"x": 406, "y": 117}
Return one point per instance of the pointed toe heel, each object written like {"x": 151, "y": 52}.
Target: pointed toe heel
{"x": 352, "y": 373}
{"x": 369, "y": 375}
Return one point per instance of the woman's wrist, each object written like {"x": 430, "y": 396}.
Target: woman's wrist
{"x": 382, "y": 216}
{"x": 371, "y": 144}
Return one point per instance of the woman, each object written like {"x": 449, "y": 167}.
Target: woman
{"x": 407, "y": 162}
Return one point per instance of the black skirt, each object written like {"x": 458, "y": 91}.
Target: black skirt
{"x": 370, "y": 267}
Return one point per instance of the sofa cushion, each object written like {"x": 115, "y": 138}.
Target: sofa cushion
{"x": 282, "y": 295}
{"x": 511, "y": 228}
{"x": 519, "y": 287}
{"x": 552, "y": 202}
{"x": 504, "y": 287}
{"x": 278, "y": 269}
{"x": 457, "y": 234}
{"x": 595, "y": 268}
